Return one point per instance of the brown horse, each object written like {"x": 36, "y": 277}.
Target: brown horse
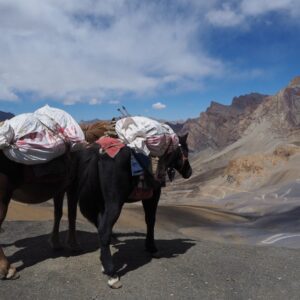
{"x": 36, "y": 184}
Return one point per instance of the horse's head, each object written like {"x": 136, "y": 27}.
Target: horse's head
{"x": 178, "y": 159}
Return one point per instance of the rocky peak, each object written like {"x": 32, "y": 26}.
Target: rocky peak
{"x": 216, "y": 107}
{"x": 295, "y": 82}
{"x": 221, "y": 125}
{"x": 5, "y": 115}
{"x": 247, "y": 101}
{"x": 283, "y": 109}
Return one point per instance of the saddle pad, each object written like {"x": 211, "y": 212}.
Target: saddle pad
{"x": 139, "y": 162}
{"x": 110, "y": 145}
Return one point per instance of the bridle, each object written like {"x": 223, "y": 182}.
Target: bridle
{"x": 184, "y": 158}
{"x": 171, "y": 169}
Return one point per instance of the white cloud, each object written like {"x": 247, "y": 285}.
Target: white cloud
{"x": 257, "y": 7}
{"x": 233, "y": 14}
{"x": 5, "y": 93}
{"x": 69, "y": 101}
{"x": 80, "y": 49}
{"x": 114, "y": 102}
{"x": 224, "y": 17}
{"x": 95, "y": 101}
{"x": 159, "y": 106}
{"x": 75, "y": 51}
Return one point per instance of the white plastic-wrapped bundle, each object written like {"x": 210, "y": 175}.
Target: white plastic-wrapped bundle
{"x": 39, "y": 137}
{"x": 147, "y": 136}
{"x": 6, "y": 135}
{"x": 68, "y": 127}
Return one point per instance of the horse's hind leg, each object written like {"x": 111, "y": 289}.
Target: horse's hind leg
{"x": 105, "y": 225}
{"x": 58, "y": 211}
{"x": 72, "y": 214}
{"x": 7, "y": 271}
{"x": 150, "y": 207}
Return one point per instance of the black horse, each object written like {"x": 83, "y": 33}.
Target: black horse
{"x": 105, "y": 184}
{"x": 36, "y": 184}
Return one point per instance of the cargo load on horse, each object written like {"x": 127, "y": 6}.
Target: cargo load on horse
{"x": 147, "y": 136}
{"x": 93, "y": 131}
{"x": 150, "y": 142}
{"x": 39, "y": 137}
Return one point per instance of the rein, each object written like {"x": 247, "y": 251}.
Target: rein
{"x": 171, "y": 169}
{"x": 184, "y": 158}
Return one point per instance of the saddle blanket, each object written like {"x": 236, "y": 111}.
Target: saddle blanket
{"x": 110, "y": 145}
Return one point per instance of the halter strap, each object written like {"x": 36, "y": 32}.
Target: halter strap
{"x": 184, "y": 158}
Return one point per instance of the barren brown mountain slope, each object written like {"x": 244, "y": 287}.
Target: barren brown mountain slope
{"x": 265, "y": 158}
{"x": 221, "y": 125}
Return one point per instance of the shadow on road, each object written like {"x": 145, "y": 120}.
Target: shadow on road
{"x": 36, "y": 249}
{"x": 129, "y": 251}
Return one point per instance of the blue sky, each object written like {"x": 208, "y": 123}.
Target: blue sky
{"x": 166, "y": 59}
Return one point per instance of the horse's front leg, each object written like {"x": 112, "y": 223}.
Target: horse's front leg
{"x": 58, "y": 212}
{"x": 7, "y": 271}
{"x": 150, "y": 207}
{"x": 106, "y": 222}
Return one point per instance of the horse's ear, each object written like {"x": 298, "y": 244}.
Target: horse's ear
{"x": 183, "y": 138}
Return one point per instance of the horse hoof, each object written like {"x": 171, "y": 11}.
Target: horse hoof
{"x": 156, "y": 254}
{"x": 114, "y": 282}
{"x": 56, "y": 246}
{"x": 102, "y": 270}
{"x": 74, "y": 247}
{"x": 12, "y": 274}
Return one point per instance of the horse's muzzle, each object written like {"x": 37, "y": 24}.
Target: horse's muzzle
{"x": 187, "y": 174}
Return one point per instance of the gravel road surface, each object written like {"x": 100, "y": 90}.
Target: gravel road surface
{"x": 189, "y": 268}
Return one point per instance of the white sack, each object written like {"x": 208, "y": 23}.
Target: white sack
{"x": 69, "y": 128}
{"x": 39, "y": 137}
{"x": 147, "y": 136}
{"x": 6, "y": 135}
{"x": 33, "y": 142}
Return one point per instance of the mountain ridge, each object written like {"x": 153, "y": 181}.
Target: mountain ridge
{"x": 5, "y": 115}
{"x": 221, "y": 125}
